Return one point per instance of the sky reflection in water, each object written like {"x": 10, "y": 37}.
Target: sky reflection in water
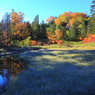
{"x": 9, "y": 66}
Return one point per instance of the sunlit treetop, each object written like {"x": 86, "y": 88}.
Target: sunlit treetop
{"x": 17, "y": 17}
{"x": 70, "y": 17}
{"x": 51, "y": 18}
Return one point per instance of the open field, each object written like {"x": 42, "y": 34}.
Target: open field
{"x": 55, "y": 72}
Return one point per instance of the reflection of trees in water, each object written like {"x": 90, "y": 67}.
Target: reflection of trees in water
{"x": 9, "y": 67}
{"x": 12, "y": 65}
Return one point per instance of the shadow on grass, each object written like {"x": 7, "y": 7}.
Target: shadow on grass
{"x": 48, "y": 74}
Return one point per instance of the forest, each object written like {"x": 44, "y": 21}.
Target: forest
{"x": 69, "y": 26}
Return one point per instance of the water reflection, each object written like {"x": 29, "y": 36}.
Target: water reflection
{"x": 9, "y": 66}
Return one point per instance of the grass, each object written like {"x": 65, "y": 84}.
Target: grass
{"x": 55, "y": 72}
{"x": 71, "y": 45}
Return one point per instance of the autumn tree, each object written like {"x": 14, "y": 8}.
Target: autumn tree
{"x": 73, "y": 24}
{"x": 51, "y": 18}
{"x": 77, "y": 25}
{"x": 62, "y": 22}
{"x": 59, "y": 34}
{"x": 26, "y": 30}
{"x": 65, "y": 17}
{"x": 18, "y": 26}
{"x": 17, "y": 23}
{"x": 17, "y": 17}
{"x": 58, "y": 21}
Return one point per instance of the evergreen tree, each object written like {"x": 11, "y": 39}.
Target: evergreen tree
{"x": 28, "y": 28}
{"x": 82, "y": 28}
{"x": 42, "y": 34}
{"x": 89, "y": 27}
{"x": 74, "y": 33}
{"x": 93, "y": 8}
{"x": 51, "y": 27}
{"x": 1, "y": 32}
{"x": 92, "y": 22}
{"x": 6, "y": 27}
{"x": 36, "y": 27}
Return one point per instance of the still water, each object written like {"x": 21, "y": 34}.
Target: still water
{"x": 9, "y": 67}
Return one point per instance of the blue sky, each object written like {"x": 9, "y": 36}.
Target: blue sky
{"x": 44, "y": 8}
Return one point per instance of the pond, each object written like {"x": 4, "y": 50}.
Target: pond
{"x": 9, "y": 67}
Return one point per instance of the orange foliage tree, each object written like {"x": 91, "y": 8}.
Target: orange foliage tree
{"x": 59, "y": 34}
{"x": 51, "y": 36}
{"x": 69, "y": 17}
{"x": 17, "y": 17}
{"x": 57, "y": 21}
{"x": 72, "y": 20}
{"x": 65, "y": 17}
{"x": 76, "y": 14}
{"x": 18, "y": 26}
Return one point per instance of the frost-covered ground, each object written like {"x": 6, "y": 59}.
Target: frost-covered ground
{"x": 55, "y": 72}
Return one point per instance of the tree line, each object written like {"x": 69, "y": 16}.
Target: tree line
{"x": 71, "y": 26}
{"x": 13, "y": 27}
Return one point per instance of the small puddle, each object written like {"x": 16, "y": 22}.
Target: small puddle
{"x": 9, "y": 66}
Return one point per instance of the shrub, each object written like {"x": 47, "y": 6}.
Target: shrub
{"x": 90, "y": 38}
{"x": 33, "y": 42}
{"x": 15, "y": 42}
{"x": 39, "y": 43}
{"x": 53, "y": 41}
{"x": 60, "y": 42}
{"x": 25, "y": 42}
